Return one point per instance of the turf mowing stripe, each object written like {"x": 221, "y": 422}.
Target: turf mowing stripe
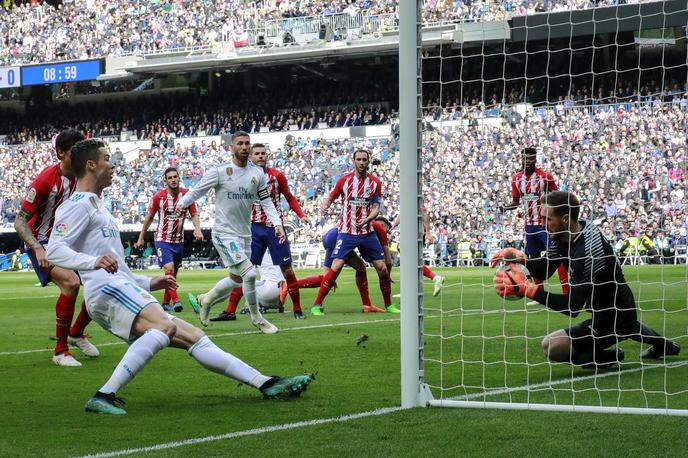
{"x": 583, "y": 378}
{"x": 247, "y": 432}
{"x": 226, "y": 334}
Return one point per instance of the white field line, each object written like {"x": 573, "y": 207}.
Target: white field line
{"x": 247, "y": 432}
{"x": 227, "y": 334}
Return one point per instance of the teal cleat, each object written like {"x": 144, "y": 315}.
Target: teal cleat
{"x": 285, "y": 387}
{"x": 317, "y": 310}
{"x": 108, "y": 404}
{"x": 194, "y": 304}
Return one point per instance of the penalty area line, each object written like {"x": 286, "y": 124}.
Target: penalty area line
{"x": 247, "y": 432}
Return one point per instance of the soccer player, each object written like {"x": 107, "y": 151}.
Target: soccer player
{"x": 360, "y": 193}
{"x": 596, "y": 283}
{"x": 438, "y": 280}
{"x": 529, "y": 185}
{"x": 263, "y": 233}
{"x": 34, "y": 224}
{"x": 169, "y": 236}
{"x": 120, "y": 301}
{"x": 237, "y": 184}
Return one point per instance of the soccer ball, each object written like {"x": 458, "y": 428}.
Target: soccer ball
{"x": 509, "y": 267}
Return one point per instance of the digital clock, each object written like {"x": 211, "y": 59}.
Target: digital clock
{"x": 10, "y": 77}
{"x": 61, "y": 73}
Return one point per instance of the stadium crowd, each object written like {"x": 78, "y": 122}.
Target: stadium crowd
{"x": 34, "y": 32}
{"x": 627, "y": 162}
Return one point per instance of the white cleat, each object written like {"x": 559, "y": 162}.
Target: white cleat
{"x": 204, "y": 315}
{"x": 439, "y": 281}
{"x": 532, "y": 303}
{"x": 83, "y": 344}
{"x": 65, "y": 359}
{"x": 264, "y": 325}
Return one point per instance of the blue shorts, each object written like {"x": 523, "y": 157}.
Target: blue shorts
{"x": 368, "y": 245}
{"x": 536, "y": 241}
{"x": 329, "y": 241}
{"x": 263, "y": 238}
{"x": 42, "y": 274}
{"x": 169, "y": 252}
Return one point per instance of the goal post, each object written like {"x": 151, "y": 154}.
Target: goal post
{"x": 562, "y": 74}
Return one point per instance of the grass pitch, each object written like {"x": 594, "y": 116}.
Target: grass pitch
{"x": 476, "y": 348}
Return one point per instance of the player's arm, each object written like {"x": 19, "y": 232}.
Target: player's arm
{"x": 36, "y": 197}
{"x": 334, "y": 194}
{"x": 74, "y": 221}
{"x": 569, "y": 304}
{"x": 196, "y": 221}
{"x": 210, "y": 180}
{"x": 388, "y": 258}
{"x": 542, "y": 268}
{"x": 21, "y": 225}
{"x": 395, "y": 222}
{"x": 291, "y": 200}
{"x": 146, "y": 224}
{"x": 426, "y": 227}
{"x": 269, "y": 208}
{"x": 515, "y": 197}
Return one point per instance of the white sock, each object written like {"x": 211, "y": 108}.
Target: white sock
{"x": 135, "y": 359}
{"x": 249, "y": 287}
{"x": 219, "y": 361}
{"x": 220, "y": 291}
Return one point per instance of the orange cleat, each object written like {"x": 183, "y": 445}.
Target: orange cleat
{"x": 283, "y": 292}
{"x": 371, "y": 309}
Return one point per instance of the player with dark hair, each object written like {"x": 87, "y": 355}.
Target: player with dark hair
{"x": 34, "y": 224}
{"x": 169, "y": 236}
{"x": 119, "y": 300}
{"x": 597, "y": 283}
{"x": 529, "y": 185}
{"x": 360, "y": 193}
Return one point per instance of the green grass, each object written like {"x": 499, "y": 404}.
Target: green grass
{"x": 174, "y": 399}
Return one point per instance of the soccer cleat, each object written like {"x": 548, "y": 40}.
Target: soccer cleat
{"x": 177, "y": 306}
{"x": 83, "y": 344}
{"x": 264, "y": 325}
{"x": 670, "y": 349}
{"x": 391, "y": 308}
{"x": 619, "y": 356}
{"x": 167, "y": 308}
{"x": 317, "y": 310}
{"x": 299, "y": 315}
{"x": 439, "y": 281}
{"x": 532, "y": 303}
{"x": 371, "y": 309}
{"x": 285, "y": 387}
{"x": 108, "y": 404}
{"x": 202, "y": 310}
{"x": 65, "y": 359}
{"x": 246, "y": 310}
{"x": 224, "y": 316}
{"x": 283, "y": 292}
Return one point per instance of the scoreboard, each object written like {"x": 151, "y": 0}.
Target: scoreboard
{"x": 10, "y": 77}
{"x": 65, "y": 72}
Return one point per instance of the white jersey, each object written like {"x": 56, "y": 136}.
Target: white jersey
{"x": 236, "y": 189}
{"x": 84, "y": 231}
{"x": 269, "y": 271}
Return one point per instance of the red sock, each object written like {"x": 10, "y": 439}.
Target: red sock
{"x": 166, "y": 297}
{"x": 563, "y": 278}
{"x": 428, "y": 273}
{"x": 293, "y": 285}
{"x": 362, "y": 285}
{"x": 234, "y": 298}
{"x": 386, "y": 288}
{"x": 314, "y": 281}
{"x": 80, "y": 323}
{"x": 328, "y": 280}
{"x": 64, "y": 312}
{"x": 174, "y": 297}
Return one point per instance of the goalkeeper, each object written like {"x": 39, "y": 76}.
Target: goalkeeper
{"x": 597, "y": 284}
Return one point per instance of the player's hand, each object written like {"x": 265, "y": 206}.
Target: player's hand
{"x": 40, "y": 257}
{"x": 514, "y": 282}
{"x": 139, "y": 244}
{"x": 107, "y": 263}
{"x": 306, "y": 220}
{"x": 163, "y": 282}
{"x": 198, "y": 235}
{"x": 179, "y": 210}
{"x": 279, "y": 232}
{"x": 508, "y": 255}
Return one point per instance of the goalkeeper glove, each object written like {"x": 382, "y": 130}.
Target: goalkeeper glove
{"x": 508, "y": 255}
{"x": 514, "y": 282}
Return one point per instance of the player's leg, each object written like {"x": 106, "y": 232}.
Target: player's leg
{"x": 362, "y": 283}
{"x": 280, "y": 253}
{"x": 166, "y": 263}
{"x": 77, "y": 334}
{"x": 371, "y": 250}
{"x": 438, "y": 280}
{"x": 581, "y": 346}
{"x": 247, "y": 271}
{"x": 659, "y": 346}
{"x": 535, "y": 243}
{"x": 178, "y": 251}
{"x": 343, "y": 247}
{"x": 229, "y": 313}
{"x": 312, "y": 281}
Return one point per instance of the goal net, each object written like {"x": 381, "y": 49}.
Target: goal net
{"x": 602, "y": 95}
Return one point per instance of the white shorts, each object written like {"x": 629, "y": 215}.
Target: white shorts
{"x": 232, "y": 250}
{"x": 267, "y": 293}
{"x": 117, "y": 305}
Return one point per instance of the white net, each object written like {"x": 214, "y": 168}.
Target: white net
{"x": 602, "y": 96}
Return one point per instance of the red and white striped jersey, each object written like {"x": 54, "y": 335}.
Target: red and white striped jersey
{"x": 277, "y": 185}
{"x": 358, "y": 196}
{"x": 170, "y": 226}
{"x": 48, "y": 190}
{"x": 529, "y": 189}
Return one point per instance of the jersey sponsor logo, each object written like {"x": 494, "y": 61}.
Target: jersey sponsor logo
{"x": 109, "y": 232}
{"x": 243, "y": 193}
{"x": 358, "y": 201}
{"x": 31, "y": 196}
{"x": 60, "y": 229}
